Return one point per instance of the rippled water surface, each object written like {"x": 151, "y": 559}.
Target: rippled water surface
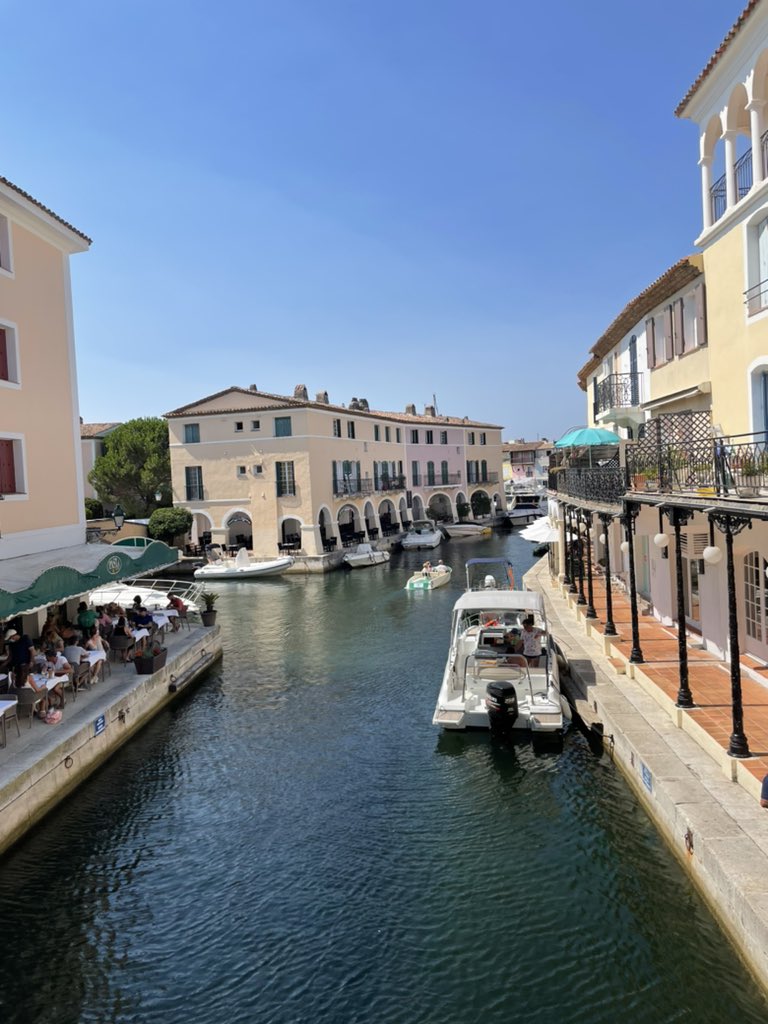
{"x": 295, "y": 842}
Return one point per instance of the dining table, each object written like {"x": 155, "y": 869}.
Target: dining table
{"x": 6, "y": 703}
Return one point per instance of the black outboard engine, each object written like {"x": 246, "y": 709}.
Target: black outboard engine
{"x": 501, "y": 701}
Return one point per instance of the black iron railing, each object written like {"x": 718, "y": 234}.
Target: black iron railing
{"x": 617, "y": 391}
{"x": 718, "y": 195}
{"x": 390, "y": 483}
{"x": 345, "y": 488}
{"x": 743, "y": 171}
{"x": 600, "y": 484}
{"x": 723, "y": 465}
{"x": 480, "y": 478}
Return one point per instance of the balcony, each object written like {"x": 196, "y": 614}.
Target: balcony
{"x": 436, "y": 480}
{"x": 744, "y": 177}
{"x": 734, "y": 466}
{"x": 351, "y": 488}
{"x": 389, "y": 483}
{"x": 489, "y": 478}
{"x": 615, "y": 395}
{"x": 604, "y": 485}
{"x": 756, "y": 298}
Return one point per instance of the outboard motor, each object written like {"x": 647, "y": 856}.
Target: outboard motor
{"x": 501, "y": 701}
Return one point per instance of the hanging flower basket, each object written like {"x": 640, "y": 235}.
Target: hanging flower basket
{"x": 151, "y": 662}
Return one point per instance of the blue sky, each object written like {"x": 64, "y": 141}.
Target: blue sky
{"x": 384, "y": 200}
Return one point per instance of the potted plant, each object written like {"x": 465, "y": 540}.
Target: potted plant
{"x": 152, "y": 660}
{"x": 209, "y": 615}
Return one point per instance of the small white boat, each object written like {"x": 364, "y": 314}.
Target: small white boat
{"x": 363, "y": 556}
{"x": 241, "y": 567}
{"x": 422, "y": 534}
{"x": 430, "y": 579}
{"x": 468, "y": 529}
{"x": 525, "y": 509}
{"x": 489, "y": 683}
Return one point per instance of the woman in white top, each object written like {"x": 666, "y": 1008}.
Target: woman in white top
{"x": 530, "y": 643}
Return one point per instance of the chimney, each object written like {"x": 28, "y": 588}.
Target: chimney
{"x": 300, "y": 392}
{"x": 364, "y": 405}
{"x": 322, "y": 396}
{"x": 429, "y": 410}
{"x": 353, "y": 403}
{"x": 410, "y": 410}
{"x": 252, "y": 387}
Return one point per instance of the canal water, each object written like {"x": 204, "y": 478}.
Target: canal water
{"x": 294, "y": 842}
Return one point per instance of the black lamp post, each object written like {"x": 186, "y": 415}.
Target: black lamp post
{"x": 581, "y": 598}
{"x": 631, "y": 513}
{"x": 573, "y": 589}
{"x": 738, "y": 745}
{"x": 118, "y": 517}
{"x": 591, "y": 613}
{"x": 678, "y": 517}
{"x": 610, "y": 629}
{"x": 566, "y": 549}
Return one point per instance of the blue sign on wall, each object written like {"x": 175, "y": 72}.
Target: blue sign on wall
{"x": 99, "y": 725}
{"x": 645, "y": 771}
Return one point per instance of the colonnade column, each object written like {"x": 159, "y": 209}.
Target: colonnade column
{"x": 610, "y": 629}
{"x": 628, "y": 518}
{"x": 729, "y": 138}
{"x": 756, "y": 108}
{"x": 705, "y": 163}
{"x": 573, "y": 589}
{"x": 581, "y": 598}
{"x": 738, "y": 745}
{"x": 678, "y": 517}
{"x": 591, "y": 613}
{"x": 564, "y": 559}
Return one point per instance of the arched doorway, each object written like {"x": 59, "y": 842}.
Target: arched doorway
{"x": 349, "y": 524}
{"x": 387, "y": 517}
{"x": 481, "y": 504}
{"x": 369, "y": 517}
{"x": 290, "y": 532}
{"x": 417, "y": 507}
{"x": 239, "y": 529}
{"x": 200, "y": 530}
{"x": 440, "y": 507}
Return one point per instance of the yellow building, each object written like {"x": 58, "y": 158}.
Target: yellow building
{"x": 275, "y": 472}
{"x": 43, "y": 555}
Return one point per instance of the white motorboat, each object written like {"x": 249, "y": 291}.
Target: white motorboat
{"x": 523, "y": 509}
{"x": 363, "y": 556}
{"x": 430, "y": 578}
{"x": 154, "y": 593}
{"x": 489, "y": 683}
{"x": 467, "y": 529}
{"x": 422, "y": 534}
{"x": 241, "y": 567}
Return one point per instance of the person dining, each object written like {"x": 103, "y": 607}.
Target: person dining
{"x": 175, "y": 602}
{"x": 86, "y": 617}
{"x": 20, "y": 647}
{"x": 95, "y": 642}
{"x": 25, "y": 680}
{"x": 123, "y": 629}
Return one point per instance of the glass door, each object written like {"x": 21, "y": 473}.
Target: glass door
{"x": 755, "y": 605}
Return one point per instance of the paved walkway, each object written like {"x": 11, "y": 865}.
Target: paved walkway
{"x": 708, "y": 678}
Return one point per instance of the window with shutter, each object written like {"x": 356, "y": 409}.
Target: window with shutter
{"x": 3, "y": 356}
{"x": 669, "y": 350}
{"x": 701, "y": 315}
{"x": 678, "y": 327}
{"x": 650, "y": 342}
{"x": 7, "y": 468}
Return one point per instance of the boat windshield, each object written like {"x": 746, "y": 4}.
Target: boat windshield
{"x": 423, "y": 527}
{"x": 490, "y": 574}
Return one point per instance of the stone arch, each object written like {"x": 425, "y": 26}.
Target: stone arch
{"x": 239, "y": 527}
{"x": 402, "y": 508}
{"x": 758, "y": 84}
{"x": 325, "y": 523}
{"x": 290, "y": 529}
{"x": 479, "y": 501}
{"x": 441, "y": 505}
{"x": 369, "y": 517}
{"x": 349, "y": 522}
{"x": 202, "y": 525}
{"x": 417, "y": 506}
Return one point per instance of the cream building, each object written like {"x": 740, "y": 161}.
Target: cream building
{"x": 92, "y": 447}
{"x": 43, "y": 555}
{"x": 269, "y": 471}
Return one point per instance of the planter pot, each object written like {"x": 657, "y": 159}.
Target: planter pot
{"x": 147, "y": 664}
{"x": 747, "y": 492}
{"x": 651, "y": 485}
{"x": 209, "y": 618}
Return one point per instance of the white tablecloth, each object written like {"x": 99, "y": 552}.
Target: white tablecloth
{"x": 139, "y": 634}
{"x": 6, "y": 704}
{"x": 48, "y": 683}
{"x": 161, "y": 619}
{"x": 96, "y": 656}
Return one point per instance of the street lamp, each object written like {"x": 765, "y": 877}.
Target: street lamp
{"x": 158, "y": 495}
{"x": 118, "y": 517}
{"x": 712, "y": 555}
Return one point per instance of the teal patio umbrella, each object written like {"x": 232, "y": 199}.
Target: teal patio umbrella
{"x": 583, "y": 437}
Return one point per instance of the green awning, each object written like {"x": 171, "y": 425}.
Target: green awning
{"x": 31, "y": 582}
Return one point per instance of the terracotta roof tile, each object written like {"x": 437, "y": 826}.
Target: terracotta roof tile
{"x": 732, "y": 33}
{"x": 45, "y": 209}
{"x": 96, "y": 429}
{"x": 193, "y": 409}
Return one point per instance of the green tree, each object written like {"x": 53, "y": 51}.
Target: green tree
{"x": 481, "y": 504}
{"x": 135, "y": 465}
{"x": 167, "y": 523}
{"x": 93, "y": 509}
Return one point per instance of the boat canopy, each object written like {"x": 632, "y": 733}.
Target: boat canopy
{"x": 503, "y": 600}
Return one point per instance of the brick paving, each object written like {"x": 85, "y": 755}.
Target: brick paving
{"x": 708, "y": 676}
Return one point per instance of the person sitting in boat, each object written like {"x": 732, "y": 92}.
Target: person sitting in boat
{"x": 426, "y": 569}
{"x": 489, "y": 583}
{"x": 441, "y": 566}
{"x": 530, "y": 643}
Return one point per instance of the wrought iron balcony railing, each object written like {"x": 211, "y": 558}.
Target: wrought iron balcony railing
{"x": 348, "y": 488}
{"x": 744, "y": 174}
{"x": 756, "y": 297}
{"x": 389, "y": 483}
{"x": 436, "y": 479}
{"x": 604, "y": 484}
{"x": 722, "y": 465}
{"x": 617, "y": 391}
{"x": 488, "y": 478}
